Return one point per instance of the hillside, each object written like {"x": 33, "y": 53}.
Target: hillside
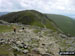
{"x": 35, "y": 18}
{"x": 28, "y": 17}
{"x": 66, "y": 24}
{"x": 36, "y": 34}
{"x": 35, "y": 41}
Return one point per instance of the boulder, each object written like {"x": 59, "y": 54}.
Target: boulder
{"x": 46, "y": 54}
{"x": 25, "y": 51}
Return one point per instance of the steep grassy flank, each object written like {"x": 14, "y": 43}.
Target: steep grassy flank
{"x": 66, "y": 24}
{"x": 28, "y": 17}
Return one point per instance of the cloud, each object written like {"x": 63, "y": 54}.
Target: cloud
{"x": 45, "y": 6}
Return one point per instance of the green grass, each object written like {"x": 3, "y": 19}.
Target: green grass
{"x": 35, "y": 18}
{"x": 66, "y": 24}
{"x": 50, "y": 26}
{"x": 36, "y": 30}
{"x": 5, "y": 28}
{"x": 4, "y": 50}
{"x": 28, "y": 17}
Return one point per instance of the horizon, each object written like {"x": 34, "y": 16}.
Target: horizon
{"x": 62, "y": 7}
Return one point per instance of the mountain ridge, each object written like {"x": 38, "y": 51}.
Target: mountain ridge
{"x": 32, "y": 17}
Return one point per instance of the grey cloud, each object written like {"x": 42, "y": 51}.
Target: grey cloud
{"x": 47, "y": 6}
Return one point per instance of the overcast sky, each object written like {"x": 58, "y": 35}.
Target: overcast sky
{"x": 65, "y": 7}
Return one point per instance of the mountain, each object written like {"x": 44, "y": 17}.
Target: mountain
{"x": 66, "y": 24}
{"x": 36, "y": 34}
{"x": 35, "y": 18}
{"x": 3, "y": 13}
{"x": 28, "y": 17}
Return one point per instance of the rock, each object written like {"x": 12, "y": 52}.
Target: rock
{"x": 25, "y": 51}
{"x": 18, "y": 42}
{"x": 43, "y": 44}
{"x": 35, "y": 50}
{"x": 3, "y": 22}
{"x": 1, "y": 42}
{"x": 16, "y": 48}
{"x": 20, "y": 31}
{"x": 39, "y": 50}
{"x": 1, "y": 39}
{"x": 28, "y": 42}
{"x": 46, "y": 54}
{"x": 25, "y": 46}
{"x": 62, "y": 35}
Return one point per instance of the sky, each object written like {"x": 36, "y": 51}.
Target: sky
{"x": 63, "y": 7}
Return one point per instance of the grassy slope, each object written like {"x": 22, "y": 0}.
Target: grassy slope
{"x": 4, "y": 50}
{"x": 66, "y": 24}
{"x": 5, "y": 28}
{"x": 28, "y": 17}
{"x": 8, "y": 28}
{"x": 34, "y": 18}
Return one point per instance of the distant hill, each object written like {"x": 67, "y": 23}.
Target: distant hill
{"x": 35, "y": 18}
{"x": 3, "y": 13}
{"x": 66, "y": 24}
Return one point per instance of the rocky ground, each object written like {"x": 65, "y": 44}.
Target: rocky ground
{"x": 35, "y": 41}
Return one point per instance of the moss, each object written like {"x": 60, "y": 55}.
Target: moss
{"x": 50, "y": 26}
{"x": 17, "y": 52}
{"x": 36, "y": 30}
{"x": 45, "y": 33}
{"x": 5, "y": 28}
{"x": 5, "y": 50}
{"x": 37, "y": 24}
